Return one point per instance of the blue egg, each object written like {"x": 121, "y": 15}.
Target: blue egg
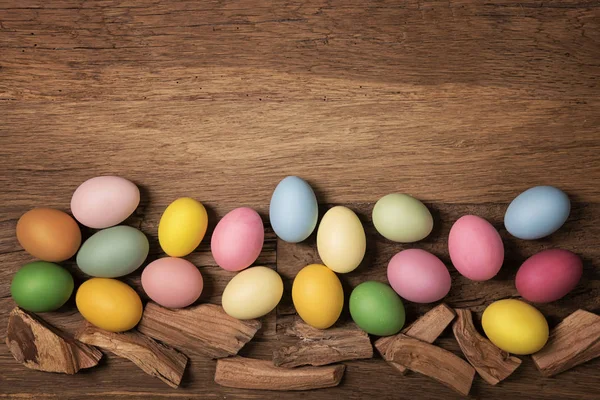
{"x": 293, "y": 211}
{"x": 537, "y": 212}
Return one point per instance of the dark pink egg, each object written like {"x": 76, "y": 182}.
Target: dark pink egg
{"x": 548, "y": 275}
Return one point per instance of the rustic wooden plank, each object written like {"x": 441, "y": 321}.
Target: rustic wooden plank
{"x": 458, "y": 102}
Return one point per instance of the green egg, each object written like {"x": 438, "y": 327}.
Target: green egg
{"x": 41, "y": 286}
{"x": 402, "y": 218}
{"x": 113, "y": 252}
{"x": 377, "y": 309}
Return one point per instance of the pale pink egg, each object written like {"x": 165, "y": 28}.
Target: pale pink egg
{"x": 238, "y": 239}
{"x": 418, "y": 276}
{"x": 104, "y": 201}
{"x": 172, "y": 282}
{"x": 475, "y": 247}
{"x": 548, "y": 275}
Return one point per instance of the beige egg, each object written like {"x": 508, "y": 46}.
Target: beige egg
{"x": 252, "y": 293}
{"x": 341, "y": 240}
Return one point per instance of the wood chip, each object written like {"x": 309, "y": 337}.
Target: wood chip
{"x": 322, "y": 347}
{"x": 433, "y": 361}
{"x": 427, "y": 329}
{"x": 572, "y": 342}
{"x": 203, "y": 329}
{"x": 492, "y": 364}
{"x": 249, "y": 373}
{"x": 38, "y": 345}
{"x": 153, "y": 358}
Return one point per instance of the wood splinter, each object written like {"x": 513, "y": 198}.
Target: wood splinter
{"x": 38, "y": 345}
{"x": 573, "y": 341}
{"x": 153, "y": 358}
{"x": 492, "y": 364}
{"x": 427, "y": 329}
{"x": 248, "y": 373}
{"x": 203, "y": 329}
{"x": 322, "y": 347}
{"x": 433, "y": 361}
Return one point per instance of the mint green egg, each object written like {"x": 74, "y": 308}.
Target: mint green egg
{"x": 41, "y": 286}
{"x": 402, "y": 218}
{"x": 113, "y": 252}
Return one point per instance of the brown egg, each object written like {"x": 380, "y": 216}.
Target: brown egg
{"x": 49, "y": 234}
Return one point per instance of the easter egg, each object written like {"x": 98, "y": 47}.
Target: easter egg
{"x": 109, "y": 304}
{"x": 252, "y": 293}
{"x": 548, "y": 275}
{"x": 48, "y": 234}
{"x": 293, "y": 211}
{"x": 418, "y": 276}
{"x": 475, "y": 247}
{"x": 238, "y": 239}
{"x": 172, "y": 282}
{"x": 113, "y": 252}
{"x": 402, "y": 218}
{"x": 537, "y": 212}
{"x": 377, "y": 309}
{"x": 515, "y": 326}
{"x": 341, "y": 240}
{"x": 41, "y": 286}
{"x": 104, "y": 201}
{"x": 182, "y": 227}
{"x": 318, "y": 296}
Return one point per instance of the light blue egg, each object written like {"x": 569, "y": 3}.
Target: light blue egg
{"x": 293, "y": 211}
{"x": 537, "y": 212}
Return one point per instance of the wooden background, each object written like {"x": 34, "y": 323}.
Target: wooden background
{"x": 462, "y": 104}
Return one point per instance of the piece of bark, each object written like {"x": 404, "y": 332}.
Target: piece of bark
{"x": 492, "y": 364}
{"x": 573, "y": 341}
{"x": 38, "y": 345}
{"x": 434, "y": 362}
{"x": 427, "y": 329}
{"x": 322, "y": 347}
{"x": 163, "y": 362}
{"x": 203, "y": 329}
{"x": 249, "y": 373}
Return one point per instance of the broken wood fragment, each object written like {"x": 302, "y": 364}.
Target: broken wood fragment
{"x": 153, "y": 358}
{"x": 492, "y": 364}
{"x": 573, "y": 341}
{"x": 203, "y": 329}
{"x": 322, "y": 347}
{"x": 38, "y": 345}
{"x": 427, "y": 329}
{"x": 434, "y": 362}
{"x": 249, "y": 373}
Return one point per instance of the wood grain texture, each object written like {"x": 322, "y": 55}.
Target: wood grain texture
{"x": 491, "y": 363}
{"x": 155, "y": 359}
{"x": 574, "y": 341}
{"x": 460, "y": 103}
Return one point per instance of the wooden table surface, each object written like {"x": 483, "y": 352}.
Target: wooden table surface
{"x": 462, "y": 104}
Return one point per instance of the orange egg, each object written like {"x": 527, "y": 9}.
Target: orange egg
{"x": 49, "y": 234}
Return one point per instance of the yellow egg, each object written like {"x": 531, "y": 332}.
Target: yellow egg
{"x": 182, "y": 227}
{"x": 109, "y": 304}
{"x": 341, "y": 240}
{"x": 252, "y": 293}
{"x": 318, "y": 296}
{"x": 515, "y": 326}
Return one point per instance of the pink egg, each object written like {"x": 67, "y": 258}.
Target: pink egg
{"x": 418, "y": 276}
{"x": 548, "y": 275}
{"x": 104, "y": 201}
{"x": 475, "y": 247}
{"x": 238, "y": 239}
{"x": 172, "y": 282}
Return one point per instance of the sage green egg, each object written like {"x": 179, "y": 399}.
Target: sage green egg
{"x": 113, "y": 252}
{"x": 41, "y": 286}
{"x": 402, "y": 218}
